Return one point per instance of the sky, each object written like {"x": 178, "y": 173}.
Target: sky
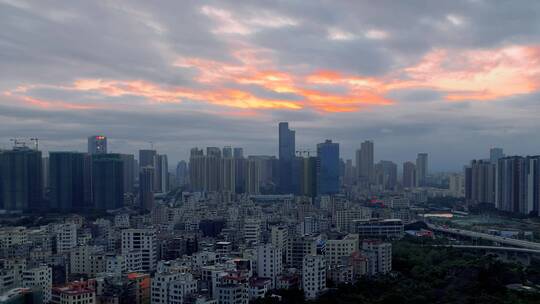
{"x": 450, "y": 78}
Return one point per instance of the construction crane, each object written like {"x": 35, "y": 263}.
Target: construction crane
{"x": 36, "y": 142}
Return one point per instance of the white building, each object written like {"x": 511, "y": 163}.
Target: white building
{"x": 144, "y": 241}
{"x": 252, "y": 231}
{"x": 122, "y": 221}
{"x": 279, "y": 236}
{"x": 457, "y": 185}
{"x": 11, "y": 236}
{"x": 335, "y": 249}
{"x": 379, "y": 256}
{"x": 313, "y": 276}
{"x": 39, "y": 278}
{"x": 269, "y": 262}
{"x": 172, "y": 287}
{"x": 129, "y": 262}
{"x": 344, "y": 218}
{"x": 88, "y": 260}
{"x": 399, "y": 202}
{"x": 66, "y": 237}
{"x": 232, "y": 294}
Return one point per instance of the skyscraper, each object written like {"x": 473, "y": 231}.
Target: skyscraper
{"x": 213, "y": 169}
{"x": 228, "y": 173}
{"x": 238, "y": 153}
{"x": 129, "y": 169}
{"x": 517, "y": 184}
{"x": 287, "y": 147}
{"x": 66, "y": 180}
{"x": 240, "y": 170}
{"x": 197, "y": 169}
{"x": 147, "y": 158}
{"x": 365, "y": 162}
{"x": 328, "y": 167}
{"x": 108, "y": 181}
{"x": 253, "y": 176}
{"x": 97, "y": 144}
{"x": 20, "y": 179}
{"x": 287, "y": 139}
{"x": 161, "y": 173}
{"x": 386, "y": 174}
{"x": 495, "y": 154}
{"x": 480, "y": 182}
{"x": 421, "y": 169}
{"x": 227, "y": 152}
{"x": 308, "y": 184}
{"x": 146, "y": 188}
{"x": 182, "y": 174}
{"x": 409, "y": 175}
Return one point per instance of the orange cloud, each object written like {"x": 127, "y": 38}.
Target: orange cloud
{"x": 54, "y": 104}
{"x": 459, "y": 74}
{"x": 478, "y": 74}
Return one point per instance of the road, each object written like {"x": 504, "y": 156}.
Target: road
{"x": 485, "y": 236}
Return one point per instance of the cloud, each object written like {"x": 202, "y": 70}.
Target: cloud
{"x": 414, "y": 76}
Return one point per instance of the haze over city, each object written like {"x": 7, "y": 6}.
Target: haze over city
{"x": 450, "y": 78}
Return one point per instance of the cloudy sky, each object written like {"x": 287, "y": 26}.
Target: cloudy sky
{"x": 451, "y": 78}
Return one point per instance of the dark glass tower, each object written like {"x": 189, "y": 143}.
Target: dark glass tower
{"x": 328, "y": 168}
{"x": 20, "y": 179}
{"x": 287, "y": 148}
{"x": 108, "y": 181}
{"x": 66, "y": 180}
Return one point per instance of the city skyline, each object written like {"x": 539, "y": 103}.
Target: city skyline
{"x": 191, "y": 74}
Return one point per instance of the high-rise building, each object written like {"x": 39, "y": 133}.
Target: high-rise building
{"x": 146, "y": 188}
{"x": 379, "y": 256}
{"x": 182, "y": 173}
{"x": 480, "y": 182}
{"x": 308, "y": 184}
{"x": 107, "y": 181}
{"x": 349, "y": 174}
{"x": 409, "y": 175}
{"x": 21, "y": 179}
{"x": 328, "y": 168}
{"x": 269, "y": 262}
{"x": 228, "y": 173}
{"x": 147, "y": 158}
{"x": 45, "y": 174}
{"x": 517, "y": 184}
{"x": 456, "y": 185}
{"x": 129, "y": 171}
{"x": 213, "y": 169}
{"x": 287, "y": 140}
{"x": 227, "y": 152}
{"x": 386, "y": 174}
{"x": 287, "y": 148}
{"x": 144, "y": 241}
{"x": 66, "y": 176}
{"x": 197, "y": 169}
{"x": 252, "y": 176}
{"x": 421, "y": 169}
{"x": 365, "y": 162}
{"x": 97, "y": 144}
{"x": 313, "y": 276}
{"x": 240, "y": 170}
{"x": 161, "y": 174}
{"x": 39, "y": 278}
{"x": 238, "y": 153}
{"x": 495, "y": 154}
